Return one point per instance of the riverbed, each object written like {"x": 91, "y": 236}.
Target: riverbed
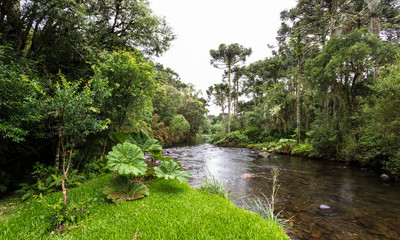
{"x": 361, "y": 204}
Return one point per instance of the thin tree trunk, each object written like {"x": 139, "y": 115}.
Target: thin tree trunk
{"x": 237, "y": 97}
{"x": 229, "y": 100}
{"x": 374, "y": 26}
{"x": 298, "y": 103}
{"x": 104, "y": 147}
{"x": 223, "y": 116}
{"x": 57, "y": 159}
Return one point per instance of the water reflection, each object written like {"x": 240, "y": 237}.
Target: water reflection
{"x": 362, "y": 205}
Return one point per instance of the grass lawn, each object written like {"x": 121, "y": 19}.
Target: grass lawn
{"x": 173, "y": 210}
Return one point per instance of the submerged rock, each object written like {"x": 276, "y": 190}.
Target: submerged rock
{"x": 246, "y": 176}
{"x": 316, "y": 235}
{"x": 263, "y": 154}
{"x": 385, "y": 177}
{"x": 363, "y": 221}
{"x": 323, "y": 207}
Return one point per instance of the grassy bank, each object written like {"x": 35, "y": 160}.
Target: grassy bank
{"x": 172, "y": 211}
{"x": 283, "y": 145}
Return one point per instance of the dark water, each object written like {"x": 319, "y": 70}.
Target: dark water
{"x": 362, "y": 205}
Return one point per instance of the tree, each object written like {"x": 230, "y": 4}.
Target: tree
{"x": 130, "y": 79}
{"x": 239, "y": 73}
{"x": 20, "y": 107}
{"x": 226, "y": 57}
{"x": 76, "y": 112}
{"x": 65, "y": 34}
{"x": 383, "y": 119}
{"x": 219, "y": 92}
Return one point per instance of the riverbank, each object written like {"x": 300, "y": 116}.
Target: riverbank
{"x": 291, "y": 147}
{"x": 353, "y": 194}
{"x": 173, "y": 210}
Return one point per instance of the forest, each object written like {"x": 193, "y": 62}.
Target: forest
{"x": 85, "y": 112}
{"x": 330, "y": 89}
{"x": 72, "y": 73}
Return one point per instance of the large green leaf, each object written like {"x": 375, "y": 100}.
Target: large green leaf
{"x": 146, "y": 143}
{"x": 119, "y": 137}
{"x": 122, "y": 189}
{"x": 171, "y": 170}
{"x": 127, "y": 159}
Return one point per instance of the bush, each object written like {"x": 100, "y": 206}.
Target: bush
{"x": 179, "y": 124}
{"x": 254, "y": 134}
{"x": 302, "y": 149}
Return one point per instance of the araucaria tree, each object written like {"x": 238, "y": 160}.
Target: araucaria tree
{"x": 226, "y": 57}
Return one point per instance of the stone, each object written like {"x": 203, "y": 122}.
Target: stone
{"x": 246, "y": 176}
{"x": 375, "y": 232}
{"x": 316, "y": 235}
{"x": 264, "y": 154}
{"x": 364, "y": 222}
{"x": 323, "y": 207}
{"x": 385, "y": 177}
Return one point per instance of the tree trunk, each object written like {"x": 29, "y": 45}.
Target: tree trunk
{"x": 57, "y": 159}
{"x": 237, "y": 97}
{"x": 332, "y": 20}
{"x": 374, "y": 26}
{"x": 229, "y": 99}
{"x": 298, "y": 103}
{"x": 104, "y": 147}
{"x": 223, "y": 116}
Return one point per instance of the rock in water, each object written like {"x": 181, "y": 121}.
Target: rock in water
{"x": 385, "y": 177}
{"x": 263, "y": 154}
{"x": 323, "y": 207}
{"x": 245, "y": 176}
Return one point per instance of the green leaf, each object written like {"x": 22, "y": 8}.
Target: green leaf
{"x": 122, "y": 189}
{"x": 127, "y": 159}
{"x": 146, "y": 143}
{"x": 171, "y": 170}
{"x": 119, "y": 137}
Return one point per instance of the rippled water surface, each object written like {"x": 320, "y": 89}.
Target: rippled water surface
{"x": 362, "y": 206}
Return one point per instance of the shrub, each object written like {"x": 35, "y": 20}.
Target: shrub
{"x": 254, "y": 134}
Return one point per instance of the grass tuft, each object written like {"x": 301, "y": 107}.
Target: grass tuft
{"x": 265, "y": 206}
{"x": 214, "y": 186}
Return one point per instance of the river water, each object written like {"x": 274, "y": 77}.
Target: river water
{"x": 362, "y": 206}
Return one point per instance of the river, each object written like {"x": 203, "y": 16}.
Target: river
{"x": 362, "y": 206}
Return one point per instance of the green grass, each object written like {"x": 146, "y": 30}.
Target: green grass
{"x": 172, "y": 211}
{"x": 214, "y": 186}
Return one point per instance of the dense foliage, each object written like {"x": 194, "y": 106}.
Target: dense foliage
{"x": 331, "y": 85}
{"x": 75, "y": 73}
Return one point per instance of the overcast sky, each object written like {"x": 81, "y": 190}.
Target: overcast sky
{"x": 202, "y": 25}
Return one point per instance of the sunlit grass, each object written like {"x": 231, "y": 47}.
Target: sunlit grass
{"x": 172, "y": 211}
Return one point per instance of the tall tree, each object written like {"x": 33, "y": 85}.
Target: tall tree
{"x": 225, "y": 57}
{"x": 238, "y": 74}
{"x": 219, "y": 93}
